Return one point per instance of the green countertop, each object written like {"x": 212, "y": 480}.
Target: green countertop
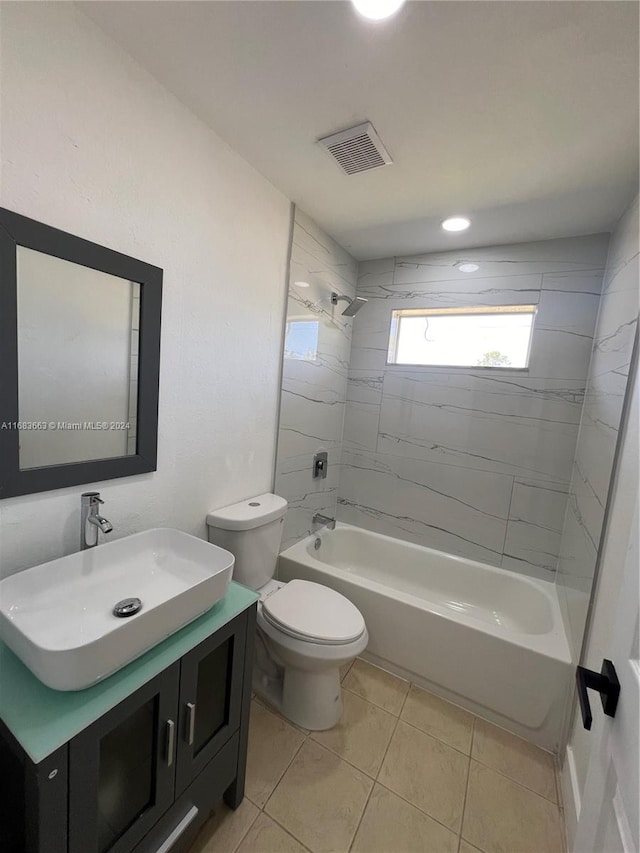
{"x": 42, "y": 720}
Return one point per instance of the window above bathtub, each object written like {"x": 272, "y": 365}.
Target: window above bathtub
{"x": 477, "y": 337}
{"x": 301, "y": 339}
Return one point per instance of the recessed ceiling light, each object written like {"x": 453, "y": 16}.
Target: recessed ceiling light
{"x": 468, "y": 267}
{"x": 301, "y": 284}
{"x": 456, "y": 223}
{"x": 376, "y": 10}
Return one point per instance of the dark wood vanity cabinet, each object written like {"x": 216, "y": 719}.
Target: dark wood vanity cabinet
{"x": 144, "y": 776}
{"x": 122, "y": 769}
{"x": 207, "y": 718}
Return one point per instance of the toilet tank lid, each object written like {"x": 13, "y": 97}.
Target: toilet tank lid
{"x": 247, "y": 514}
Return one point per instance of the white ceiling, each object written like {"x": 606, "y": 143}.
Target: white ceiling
{"x": 523, "y": 115}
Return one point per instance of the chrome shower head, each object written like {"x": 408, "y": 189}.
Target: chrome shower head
{"x": 354, "y": 304}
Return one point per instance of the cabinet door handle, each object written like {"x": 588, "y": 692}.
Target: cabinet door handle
{"x": 191, "y": 722}
{"x": 170, "y": 742}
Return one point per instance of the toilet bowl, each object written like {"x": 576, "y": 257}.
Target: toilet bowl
{"x": 310, "y": 632}
{"x": 305, "y": 631}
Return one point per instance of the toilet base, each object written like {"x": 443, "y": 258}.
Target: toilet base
{"x": 267, "y": 688}
{"x": 301, "y": 679}
{"x": 311, "y": 700}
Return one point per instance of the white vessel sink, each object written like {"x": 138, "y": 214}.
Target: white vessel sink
{"x": 58, "y": 617}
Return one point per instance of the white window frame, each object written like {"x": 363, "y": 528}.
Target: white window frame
{"x": 397, "y": 315}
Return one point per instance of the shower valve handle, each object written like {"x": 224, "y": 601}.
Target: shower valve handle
{"x": 320, "y": 465}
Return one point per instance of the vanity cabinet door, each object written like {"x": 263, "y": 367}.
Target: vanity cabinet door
{"x": 211, "y": 679}
{"x": 121, "y": 769}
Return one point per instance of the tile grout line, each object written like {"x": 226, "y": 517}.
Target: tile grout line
{"x": 326, "y": 749}
{"x": 371, "y": 702}
{"x": 479, "y": 761}
{"x": 560, "y": 800}
{"x": 529, "y": 791}
{"x": 346, "y": 760}
{"x": 373, "y": 784}
{"x": 351, "y": 763}
{"x": 281, "y": 776}
{"x": 443, "y": 742}
{"x": 468, "y": 756}
{"x": 284, "y": 829}
{"x": 466, "y": 787}
{"x": 417, "y": 808}
{"x": 404, "y": 701}
{"x": 395, "y": 793}
{"x": 244, "y": 834}
{"x": 305, "y": 737}
{"x": 413, "y": 805}
{"x": 377, "y": 707}
{"x": 308, "y": 736}
{"x": 515, "y": 782}
{"x": 342, "y": 677}
{"x": 556, "y": 775}
{"x": 375, "y": 778}
{"x": 508, "y": 518}
{"x": 281, "y": 716}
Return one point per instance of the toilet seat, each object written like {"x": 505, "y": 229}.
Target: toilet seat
{"x": 313, "y": 613}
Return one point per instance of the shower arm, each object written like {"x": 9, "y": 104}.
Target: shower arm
{"x": 335, "y": 298}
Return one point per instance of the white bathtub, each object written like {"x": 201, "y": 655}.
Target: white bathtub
{"x": 487, "y": 639}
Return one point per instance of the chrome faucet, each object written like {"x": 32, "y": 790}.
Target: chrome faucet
{"x": 327, "y": 520}
{"x": 90, "y": 521}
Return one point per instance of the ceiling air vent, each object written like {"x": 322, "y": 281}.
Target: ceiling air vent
{"x": 357, "y": 149}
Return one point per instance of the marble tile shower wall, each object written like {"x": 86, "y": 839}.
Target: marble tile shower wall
{"x": 601, "y": 417}
{"x": 472, "y": 462}
{"x": 315, "y": 371}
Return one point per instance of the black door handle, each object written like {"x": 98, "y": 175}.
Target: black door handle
{"x": 605, "y": 682}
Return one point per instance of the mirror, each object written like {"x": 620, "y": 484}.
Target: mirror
{"x": 80, "y": 327}
{"x": 77, "y": 362}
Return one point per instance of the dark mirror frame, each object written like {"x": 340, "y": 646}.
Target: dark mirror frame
{"x": 17, "y": 230}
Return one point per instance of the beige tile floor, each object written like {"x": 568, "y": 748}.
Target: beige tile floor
{"x": 403, "y": 772}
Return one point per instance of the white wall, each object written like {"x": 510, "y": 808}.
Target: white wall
{"x": 93, "y": 145}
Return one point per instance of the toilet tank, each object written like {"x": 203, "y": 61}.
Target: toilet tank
{"x": 252, "y": 531}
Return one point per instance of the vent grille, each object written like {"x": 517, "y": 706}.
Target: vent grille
{"x": 357, "y": 149}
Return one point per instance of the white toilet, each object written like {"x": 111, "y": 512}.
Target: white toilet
{"x": 306, "y": 631}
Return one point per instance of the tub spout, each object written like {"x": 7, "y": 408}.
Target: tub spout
{"x": 326, "y": 520}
